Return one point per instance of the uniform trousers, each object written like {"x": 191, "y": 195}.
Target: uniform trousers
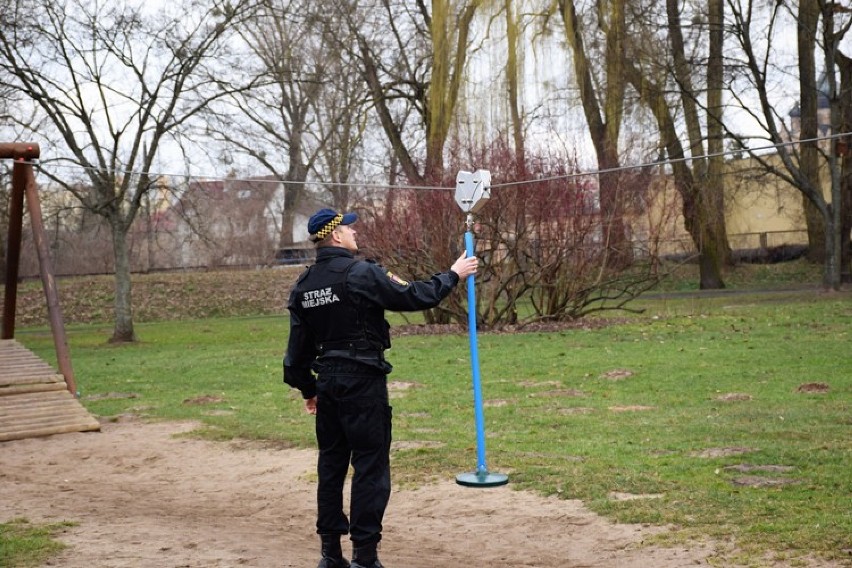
{"x": 353, "y": 425}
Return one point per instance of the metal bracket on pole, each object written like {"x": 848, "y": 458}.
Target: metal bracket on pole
{"x": 473, "y": 189}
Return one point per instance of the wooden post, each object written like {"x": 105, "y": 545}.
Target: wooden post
{"x": 21, "y": 153}
{"x": 13, "y": 248}
{"x": 23, "y": 185}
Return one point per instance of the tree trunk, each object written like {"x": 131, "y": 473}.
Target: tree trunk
{"x": 285, "y": 239}
{"x": 815, "y": 225}
{"x": 717, "y": 247}
{"x": 709, "y": 256}
{"x": 512, "y": 70}
{"x": 294, "y": 184}
{"x": 433, "y": 172}
{"x": 123, "y": 331}
{"x": 292, "y": 195}
{"x": 699, "y": 223}
{"x": 703, "y": 202}
{"x": 844, "y": 154}
{"x": 808, "y": 123}
{"x": 834, "y": 220}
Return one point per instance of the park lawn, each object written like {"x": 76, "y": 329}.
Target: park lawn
{"x": 725, "y": 415}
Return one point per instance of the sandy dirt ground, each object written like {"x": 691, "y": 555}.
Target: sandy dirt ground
{"x": 143, "y": 497}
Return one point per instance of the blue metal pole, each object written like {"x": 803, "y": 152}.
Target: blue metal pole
{"x": 481, "y": 477}
{"x": 474, "y": 358}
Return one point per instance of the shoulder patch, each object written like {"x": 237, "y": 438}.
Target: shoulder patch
{"x": 394, "y": 278}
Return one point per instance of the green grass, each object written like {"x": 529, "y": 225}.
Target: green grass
{"x": 708, "y": 375}
{"x": 23, "y": 544}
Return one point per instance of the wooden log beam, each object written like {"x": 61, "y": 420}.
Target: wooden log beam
{"x": 19, "y": 151}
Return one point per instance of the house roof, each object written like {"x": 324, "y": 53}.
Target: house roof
{"x": 822, "y": 98}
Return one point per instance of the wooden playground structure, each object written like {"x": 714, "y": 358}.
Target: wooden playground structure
{"x": 35, "y": 400}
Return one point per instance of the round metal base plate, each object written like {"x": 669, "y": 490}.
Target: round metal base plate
{"x": 482, "y": 479}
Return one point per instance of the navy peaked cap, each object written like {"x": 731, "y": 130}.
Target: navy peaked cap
{"x": 325, "y": 220}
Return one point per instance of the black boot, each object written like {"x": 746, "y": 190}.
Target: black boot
{"x": 365, "y": 557}
{"x": 332, "y": 555}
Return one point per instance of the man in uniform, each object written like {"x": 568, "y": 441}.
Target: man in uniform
{"x": 338, "y": 330}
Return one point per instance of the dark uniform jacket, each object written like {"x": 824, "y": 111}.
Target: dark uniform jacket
{"x": 337, "y": 310}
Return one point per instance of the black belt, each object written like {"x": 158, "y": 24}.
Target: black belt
{"x": 368, "y": 354}
{"x": 359, "y": 344}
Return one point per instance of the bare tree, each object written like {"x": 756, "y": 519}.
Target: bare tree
{"x": 413, "y": 60}
{"x": 756, "y": 68}
{"x": 116, "y": 85}
{"x": 601, "y": 82}
{"x": 293, "y": 115}
{"x": 670, "y": 86}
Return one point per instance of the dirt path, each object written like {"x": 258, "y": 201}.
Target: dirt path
{"x": 145, "y": 498}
